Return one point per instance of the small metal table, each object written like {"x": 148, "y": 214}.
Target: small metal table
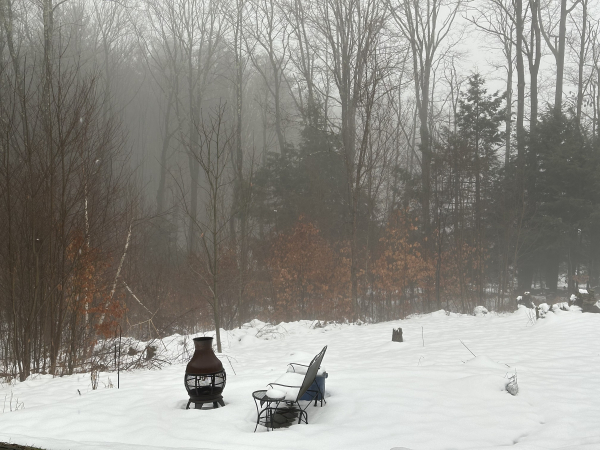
{"x": 273, "y": 412}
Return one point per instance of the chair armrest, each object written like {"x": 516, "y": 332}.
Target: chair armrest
{"x": 301, "y": 369}
{"x": 284, "y": 385}
{"x": 292, "y": 365}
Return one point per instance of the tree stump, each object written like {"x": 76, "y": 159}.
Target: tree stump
{"x": 397, "y": 335}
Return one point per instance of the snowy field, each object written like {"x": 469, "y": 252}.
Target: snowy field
{"x": 380, "y": 394}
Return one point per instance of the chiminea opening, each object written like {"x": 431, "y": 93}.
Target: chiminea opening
{"x": 204, "y": 375}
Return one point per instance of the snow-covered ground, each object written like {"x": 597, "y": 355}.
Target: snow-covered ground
{"x": 380, "y": 394}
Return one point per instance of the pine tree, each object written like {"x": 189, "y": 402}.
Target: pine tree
{"x": 479, "y": 119}
{"x": 308, "y": 181}
{"x": 566, "y": 186}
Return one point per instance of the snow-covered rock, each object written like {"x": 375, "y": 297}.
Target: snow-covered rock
{"x": 480, "y": 311}
{"x": 543, "y": 310}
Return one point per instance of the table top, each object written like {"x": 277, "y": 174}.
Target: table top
{"x": 259, "y": 395}
{"x": 263, "y": 397}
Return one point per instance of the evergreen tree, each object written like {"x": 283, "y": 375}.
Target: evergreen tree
{"x": 308, "y": 181}
{"x": 477, "y": 142}
{"x": 479, "y": 119}
{"x": 567, "y": 196}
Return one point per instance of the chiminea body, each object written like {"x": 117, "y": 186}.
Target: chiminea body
{"x": 204, "y": 375}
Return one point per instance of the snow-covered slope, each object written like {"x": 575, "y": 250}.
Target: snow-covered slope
{"x": 380, "y": 394}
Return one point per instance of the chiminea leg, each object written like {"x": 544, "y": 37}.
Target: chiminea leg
{"x": 188, "y": 405}
{"x": 221, "y": 402}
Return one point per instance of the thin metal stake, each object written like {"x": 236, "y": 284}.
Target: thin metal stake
{"x": 468, "y": 349}
{"x": 231, "y": 364}
{"x": 119, "y": 358}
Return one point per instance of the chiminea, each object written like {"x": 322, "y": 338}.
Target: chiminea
{"x": 204, "y": 375}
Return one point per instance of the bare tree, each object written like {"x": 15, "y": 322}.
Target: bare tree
{"x": 425, "y": 24}
{"x": 556, "y": 40}
{"x": 267, "y": 39}
{"x": 497, "y": 19}
{"x": 242, "y": 194}
{"x": 585, "y": 30}
{"x": 520, "y": 169}
{"x": 352, "y": 30}
{"x": 62, "y": 166}
{"x": 303, "y": 54}
{"x": 533, "y": 50}
{"x": 190, "y": 33}
{"x": 595, "y": 83}
{"x": 216, "y": 140}
{"x": 163, "y": 58}
{"x": 111, "y": 27}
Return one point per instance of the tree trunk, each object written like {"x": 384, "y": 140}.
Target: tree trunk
{"x": 426, "y": 158}
{"x": 535, "y": 56}
{"x": 194, "y": 118}
{"x": 581, "y": 62}
{"x": 478, "y": 228}
{"x": 560, "y": 55}
{"x": 508, "y": 119}
{"x": 520, "y": 101}
{"x": 277, "y": 100}
{"x": 242, "y": 205}
{"x": 160, "y": 194}
{"x": 557, "y": 47}
{"x": 524, "y": 275}
{"x": 551, "y": 270}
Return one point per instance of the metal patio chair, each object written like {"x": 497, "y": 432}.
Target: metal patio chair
{"x": 294, "y": 385}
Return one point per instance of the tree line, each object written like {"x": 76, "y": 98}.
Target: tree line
{"x": 173, "y": 167}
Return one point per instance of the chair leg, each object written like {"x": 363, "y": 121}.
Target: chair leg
{"x": 258, "y": 416}
{"x": 269, "y": 419}
{"x": 302, "y": 414}
{"x": 305, "y": 415}
{"x": 322, "y": 397}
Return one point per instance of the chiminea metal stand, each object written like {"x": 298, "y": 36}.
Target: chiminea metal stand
{"x": 205, "y": 377}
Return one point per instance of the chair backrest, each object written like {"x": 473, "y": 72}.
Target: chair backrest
{"x": 311, "y": 372}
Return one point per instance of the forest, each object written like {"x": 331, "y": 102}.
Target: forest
{"x": 189, "y": 165}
